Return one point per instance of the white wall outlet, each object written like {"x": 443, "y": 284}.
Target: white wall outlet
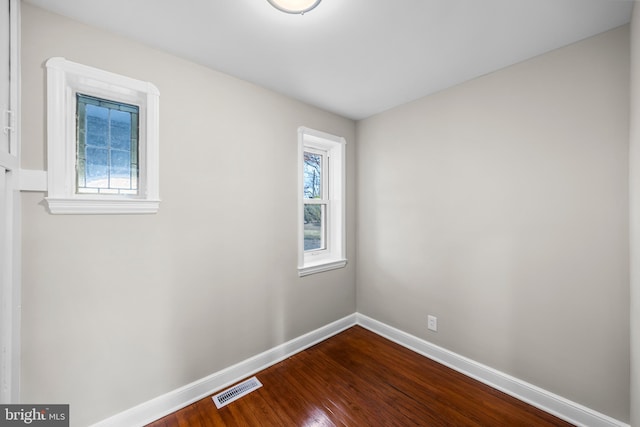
{"x": 432, "y": 323}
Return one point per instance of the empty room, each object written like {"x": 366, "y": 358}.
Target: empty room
{"x": 317, "y": 193}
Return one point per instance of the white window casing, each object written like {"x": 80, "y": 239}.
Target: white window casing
{"x": 333, "y": 255}
{"x": 65, "y": 79}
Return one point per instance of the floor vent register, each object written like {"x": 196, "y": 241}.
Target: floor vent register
{"x": 236, "y": 392}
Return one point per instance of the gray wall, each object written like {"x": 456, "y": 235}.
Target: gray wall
{"x": 634, "y": 201}
{"x": 501, "y": 207}
{"x": 120, "y": 309}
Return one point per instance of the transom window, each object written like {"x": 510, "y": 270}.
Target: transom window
{"x": 107, "y": 146}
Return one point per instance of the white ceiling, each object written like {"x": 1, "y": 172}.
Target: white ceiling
{"x": 353, "y": 57}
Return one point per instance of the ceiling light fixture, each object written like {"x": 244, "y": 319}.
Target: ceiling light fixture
{"x": 294, "y": 6}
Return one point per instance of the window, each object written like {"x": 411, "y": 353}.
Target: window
{"x": 102, "y": 141}
{"x": 107, "y": 146}
{"x": 321, "y": 202}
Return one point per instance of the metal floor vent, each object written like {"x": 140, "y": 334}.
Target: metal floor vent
{"x": 236, "y": 392}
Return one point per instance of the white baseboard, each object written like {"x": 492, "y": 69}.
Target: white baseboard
{"x": 559, "y": 406}
{"x": 157, "y": 408}
{"x": 166, "y": 404}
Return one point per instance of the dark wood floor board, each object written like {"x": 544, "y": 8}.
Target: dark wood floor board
{"x": 192, "y": 416}
{"x": 358, "y": 378}
{"x": 265, "y": 403}
{"x": 380, "y": 397}
{"x": 334, "y": 401}
{"x": 397, "y": 390}
{"x": 427, "y": 384}
{"x": 278, "y": 394}
{"x": 349, "y": 386}
{"x": 402, "y": 387}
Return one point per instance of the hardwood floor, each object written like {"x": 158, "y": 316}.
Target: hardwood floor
{"x": 358, "y": 378}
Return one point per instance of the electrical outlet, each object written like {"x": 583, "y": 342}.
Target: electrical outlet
{"x": 432, "y": 323}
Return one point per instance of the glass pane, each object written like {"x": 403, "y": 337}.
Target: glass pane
{"x": 120, "y": 172}
{"x": 120, "y": 130}
{"x": 314, "y": 227}
{"x": 97, "y": 171}
{"x": 312, "y": 175}
{"x": 97, "y": 126}
{"x": 107, "y": 146}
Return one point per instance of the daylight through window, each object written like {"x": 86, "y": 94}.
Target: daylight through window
{"x": 315, "y": 212}
{"x": 107, "y": 146}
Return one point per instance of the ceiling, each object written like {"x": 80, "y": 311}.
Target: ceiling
{"x": 353, "y": 57}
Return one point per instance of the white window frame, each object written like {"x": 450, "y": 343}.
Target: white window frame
{"x": 10, "y": 242}
{"x": 333, "y": 255}
{"x": 64, "y": 80}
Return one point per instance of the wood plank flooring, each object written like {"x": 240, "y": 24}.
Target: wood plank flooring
{"x": 358, "y": 378}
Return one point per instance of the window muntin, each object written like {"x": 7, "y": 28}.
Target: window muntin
{"x": 107, "y": 146}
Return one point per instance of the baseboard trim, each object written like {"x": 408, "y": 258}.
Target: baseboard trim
{"x": 549, "y": 402}
{"x": 166, "y": 404}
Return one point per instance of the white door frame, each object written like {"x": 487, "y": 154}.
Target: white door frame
{"x": 10, "y": 216}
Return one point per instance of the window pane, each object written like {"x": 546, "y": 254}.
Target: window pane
{"x": 97, "y": 126}
{"x": 97, "y": 175}
{"x": 120, "y": 130}
{"x": 312, "y": 175}
{"x": 120, "y": 173}
{"x": 314, "y": 227}
{"x": 107, "y": 146}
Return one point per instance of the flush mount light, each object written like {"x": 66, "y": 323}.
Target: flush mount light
{"x": 294, "y": 6}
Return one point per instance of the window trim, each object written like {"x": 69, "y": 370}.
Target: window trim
{"x": 334, "y": 256}
{"x": 65, "y": 79}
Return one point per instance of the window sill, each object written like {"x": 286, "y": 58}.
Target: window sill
{"x": 320, "y": 267}
{"x": 111, "y": 206}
